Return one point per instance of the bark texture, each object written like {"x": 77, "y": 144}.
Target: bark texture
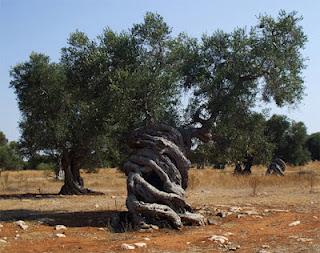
{"x": 157, "y": 176}
{"x": 73, "y": 182}
{"x": 276, "y": 167}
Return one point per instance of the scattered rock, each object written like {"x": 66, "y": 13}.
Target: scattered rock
{"x": 113, "y": 197}
{"x": 219, "y": 238}
{"x": 212, "y": 222}
{"x": 155, "y": 227}
{"x": 295, "y": 223}
{"x": 140, "y": 244}
{"x": 263, "y": 251}
{"x": 315, "y": 217}
{"x": 3, "y": 241}
{"x": 235, "y": 209}
{"x": 59, "y": 235}
{"x": 101, "y": 229}
{"x": 188, "y": 243}
{"x": 265, "y": 246}
{"x": 96, "y": 206}
{"x": 240, "y": 216}
{"x": 22, "y": 224}
{"x": 304, "y": 240}
{"x": 233, "y": 247}
{"x": 1, "y": 226}
{"x": 146, "y": 239}
{"x": 293, "y": 237}
{"x": 127, "y": 246}
{"x": 228, "y": 234}
{"x": 257, "y": 216}
{"x": 61, "y": 227}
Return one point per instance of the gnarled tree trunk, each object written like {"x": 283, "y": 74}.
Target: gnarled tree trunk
{"x": 157, "y": 176}
{"x": 73, "y": 182}
{"x": 276, "y": 167}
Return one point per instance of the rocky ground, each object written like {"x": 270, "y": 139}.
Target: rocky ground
{"x": 279, "y": 217}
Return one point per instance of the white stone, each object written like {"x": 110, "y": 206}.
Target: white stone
{"x": 235, "y": 209}
{"x": 146, "y": 239}
{"x": 219, "y": 238}
{"x": 295, "y": 223}
{"x": 1, "y": 226}
{"x": 127, "y": 246}
{"x": 61, "y": 227}
{"x": 3, "y": 241}
{"x": 264, "y": 251}
{"x": 59, "y": 235}
{"x": 140, "y": 244}
{"x": 304, "y": 240}
{"x": 22, "y": 224}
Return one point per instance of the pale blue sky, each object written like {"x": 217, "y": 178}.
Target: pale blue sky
{"x": 44, "y": 25}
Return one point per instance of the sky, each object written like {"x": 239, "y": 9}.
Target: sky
{"x": 44, "y": 26}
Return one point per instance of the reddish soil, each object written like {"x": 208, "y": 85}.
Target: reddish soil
{"x": 251, "y": 232}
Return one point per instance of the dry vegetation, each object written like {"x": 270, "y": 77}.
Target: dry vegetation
{"x": 30, "y": 195}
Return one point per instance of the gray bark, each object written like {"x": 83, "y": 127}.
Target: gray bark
{"x": 276, "y": 167}
{"x": 73, "y": 182}
{"x": 157, "y": 176}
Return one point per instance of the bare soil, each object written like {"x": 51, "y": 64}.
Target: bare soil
{"x": 257, "y": 209}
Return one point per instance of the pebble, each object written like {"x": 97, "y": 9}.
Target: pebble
{"x": 264, "y": 251}
{"x": 219, "y": 238}
{"x": 295, "y": 223}
{"x": 304, "y": 240}
{"x": 212, "y": 222}
{"x": 233, "y": 247}
{"x": 146, "y": 239}
{"x": 60, "y": 235}
{"x": 60, "y": 227}
{"x": 127, "y": 246}
{"x": 22, "y": 224}
{"x": 235, "y": 209}
{"x": 140, "y": 244}
{"x": 3, "y": 241}
{"x": 1, "y": 226}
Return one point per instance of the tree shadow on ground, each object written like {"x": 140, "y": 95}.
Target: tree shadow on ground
{"x": 118, "y": 221}
{"x": 29, "y": 196}
{"x": 40, "y": 195}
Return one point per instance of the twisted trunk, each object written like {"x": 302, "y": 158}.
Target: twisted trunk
{"x": 157, "y": 176}
{"x": 73, "y": 182}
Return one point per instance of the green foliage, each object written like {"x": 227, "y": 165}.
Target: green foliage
{"x": 85, "y": 105}
{"x": 313, "y": 145}
{"x": 10, "y": 157}
{"x": 289, "y": 138}
{"x": 3, "y": 139}
{"x": 45, "y": 166}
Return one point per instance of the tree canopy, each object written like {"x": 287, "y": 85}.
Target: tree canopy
{"x": 80, "y": 109}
